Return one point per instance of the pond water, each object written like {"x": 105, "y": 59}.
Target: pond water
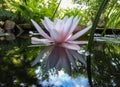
{"x": 16, "y": 58}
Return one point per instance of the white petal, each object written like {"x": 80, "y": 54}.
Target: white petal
{"x": 56, "y": 20}
{"x": 59, "y": 26}
{"x": 80, "y": 33}
{"x": 70, "y": 46}
{"x": 40, "y": 30}
{"x": 75, "y": 23}
{"x": 78, "y": 42}
{"x": 49, "y": 23}
{"x": 45, "y": 25}
{"x": 68, "y": 25}
{"x": 40, "y": 41}
{"x": 65, "y": 19}
{"x": 55, "y": 35}
{"x": 73, "y": 26}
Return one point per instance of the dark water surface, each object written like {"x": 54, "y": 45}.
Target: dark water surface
{"x": 16, "y": 57}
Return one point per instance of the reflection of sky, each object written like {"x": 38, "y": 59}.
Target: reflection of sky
{"x": 64, "y": 80}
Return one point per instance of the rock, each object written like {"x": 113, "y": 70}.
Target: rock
{"x": 25, "y": 26}
{"x": 10, "y": 37}
{"x": 9, "y": 25}
{"x": 1, "y": 23}
{"x": 1, "y": 30}
{"x": 2, "y": 38}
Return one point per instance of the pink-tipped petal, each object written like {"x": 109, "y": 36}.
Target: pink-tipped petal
{"x": 80, "y": 33}
{"x": 40, "y": 30}
{"x": 70, "y": 46}
{"x": 40, "y": 41}
{"x": 56, "y": 20}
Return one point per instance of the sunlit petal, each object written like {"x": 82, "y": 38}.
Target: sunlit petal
{"x": 67, "y": 26}
{"x": 40, "y": 30}
{"x": 80, "y": 33}
{"x": 49, "y": 23}
{"x": 75, "y": 23}
{"x": 65, "y": 19}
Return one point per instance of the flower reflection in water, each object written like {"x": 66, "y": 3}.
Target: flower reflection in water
{"x": 62, "y": 50}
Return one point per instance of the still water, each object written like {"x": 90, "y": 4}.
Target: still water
{"x": 16, "y": 58}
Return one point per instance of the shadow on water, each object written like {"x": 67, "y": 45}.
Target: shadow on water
{"x": 16, "y": 71}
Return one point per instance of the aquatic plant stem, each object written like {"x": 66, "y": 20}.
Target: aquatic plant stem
{"x": 56, "y": 9}
{"x": 91, "y": 38}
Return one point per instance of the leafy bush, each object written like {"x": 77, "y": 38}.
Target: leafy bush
{"x": 33, "y": 9}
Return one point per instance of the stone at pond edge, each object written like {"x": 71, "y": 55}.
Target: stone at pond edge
{"x": 1, "y": 30}
{"x": 1, "y": 23}
{"x": 10, "y": 37}
{"x": 9, "y": 25}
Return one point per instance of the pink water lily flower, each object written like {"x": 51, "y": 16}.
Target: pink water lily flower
{"x": 63, "y": 48}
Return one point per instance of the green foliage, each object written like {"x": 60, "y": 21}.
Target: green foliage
{"x": 4, "y": 15}
{"x": 9, "y": 15}
{"x": 84, "y": 16}
{"x": 34, "y": 9}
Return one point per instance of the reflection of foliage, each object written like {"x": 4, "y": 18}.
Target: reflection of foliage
{"x": 106, "y": 65}
{"x": 15, "y": 59}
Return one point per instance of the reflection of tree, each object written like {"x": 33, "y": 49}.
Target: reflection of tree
{"x": 15, "y": 59}
{"x": 106, "y": 65}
